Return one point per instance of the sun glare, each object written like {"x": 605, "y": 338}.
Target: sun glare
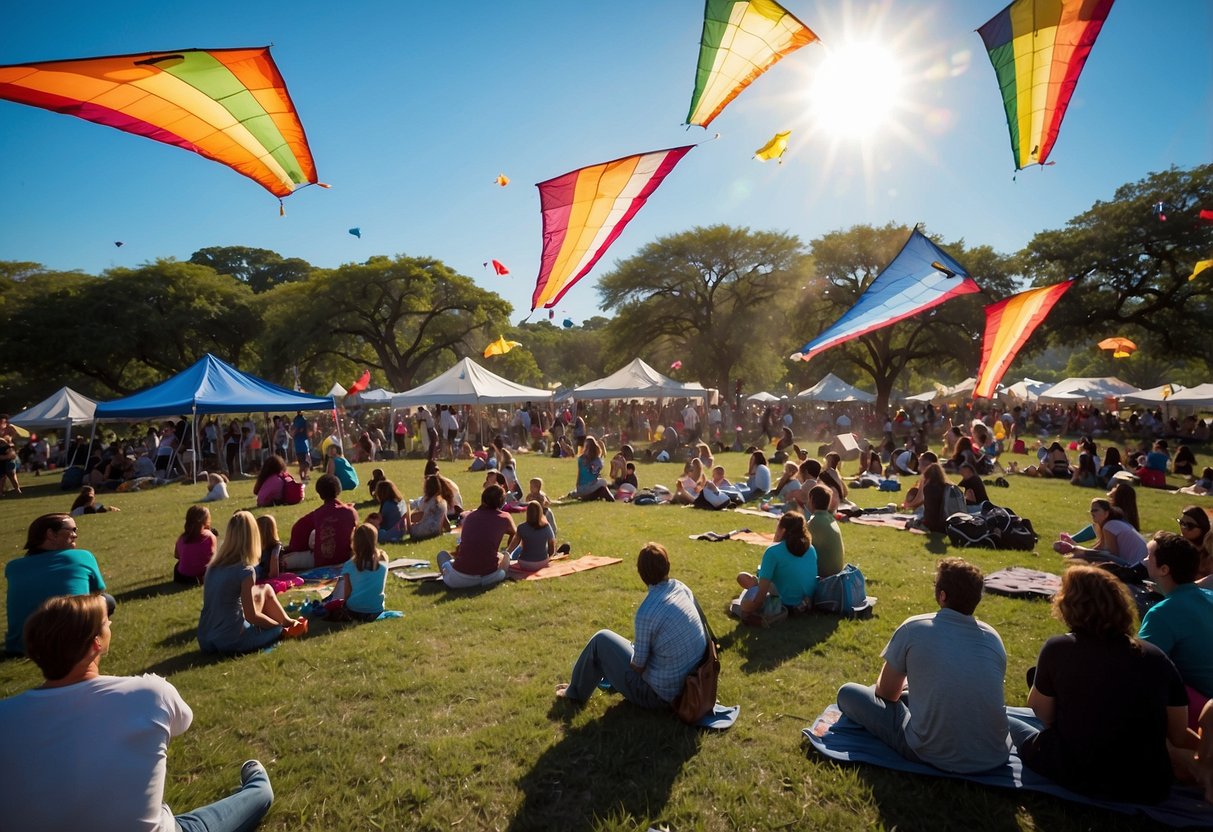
{"x": 856, "y": 90}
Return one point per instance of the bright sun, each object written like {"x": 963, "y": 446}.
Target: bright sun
{"x": 856, "y": 90}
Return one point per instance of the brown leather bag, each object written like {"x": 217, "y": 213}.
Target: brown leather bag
{"x": 698, "y": 697}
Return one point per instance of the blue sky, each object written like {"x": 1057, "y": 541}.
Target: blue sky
{"x": 412, "y": 110}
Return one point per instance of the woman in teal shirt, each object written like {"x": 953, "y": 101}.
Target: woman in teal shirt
{"x": 788, "y": 569}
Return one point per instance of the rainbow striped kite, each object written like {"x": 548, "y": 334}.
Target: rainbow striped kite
{"x": 741, "y": 40}
{"x": 1038, "y": 49}
{"x": 1009, "y": 324}
{"x": 585, "y": 210}
{"x": 920, "y": 277}
{"x": 229, "y": 105}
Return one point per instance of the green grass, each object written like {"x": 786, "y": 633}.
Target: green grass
{"x": 446, "y": 718}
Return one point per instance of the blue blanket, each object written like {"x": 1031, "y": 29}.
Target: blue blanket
{"x": 840, "y": 739}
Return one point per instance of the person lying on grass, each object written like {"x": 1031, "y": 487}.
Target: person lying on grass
{"x": 478, "y": 560}
{"x": 788, "y": 570}
{"x": 86, "y": 751}
{"x": 954, "y": 666}
{"x": 670, "y": 642}
{"x": 238, "y": 614}
{"x": 1112, "y": 746}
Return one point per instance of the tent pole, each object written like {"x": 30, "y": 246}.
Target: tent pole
{"x": 89, "y": 453}
{"x": 197, "y": 456}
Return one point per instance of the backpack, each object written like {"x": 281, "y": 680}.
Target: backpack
{"x": 953, "y": 500}
{"x": 966, "y": 530}
{"x": 844, "y": 593}
{"x": 292, "y": 490}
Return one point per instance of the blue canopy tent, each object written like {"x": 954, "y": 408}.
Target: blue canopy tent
{"x": 208, "y": 386}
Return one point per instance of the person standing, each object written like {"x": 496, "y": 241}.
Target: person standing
{"x": 301, "y": 432}
{"x": 954, "y": 666}
{"x": 87, "y": 751}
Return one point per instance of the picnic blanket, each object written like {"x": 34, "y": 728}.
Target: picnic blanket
{"x": 562, "y": 568}
{"x": 743, "y": 535}
{"x": 838, "y": 738}
{"x": 1021, "y": 582}
{"x": 406, "y": 563}
{"x": 774, "y": 512}
{"x": 321, "y": 574}
{"x": 888, "y": 521}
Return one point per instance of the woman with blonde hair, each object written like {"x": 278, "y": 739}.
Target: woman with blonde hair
{"x": 688, "y": 486}
{"x": 590, "y": 484}
{"x": 1109, "y": 702}
{"x": 239, "y": 615}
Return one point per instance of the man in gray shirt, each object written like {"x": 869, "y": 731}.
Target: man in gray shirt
{"x": 955, "y": 667}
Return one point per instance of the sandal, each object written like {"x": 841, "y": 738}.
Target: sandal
{"x": 299, "y": 628}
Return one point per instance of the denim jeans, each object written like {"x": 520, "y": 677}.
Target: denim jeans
{"x": 608, "y": 656}
{"x": 885, "y": 720}
{"x": 239, "y": 812}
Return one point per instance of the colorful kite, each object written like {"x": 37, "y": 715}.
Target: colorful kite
{"x": 585, "y": 210}
{"x": 361, "y": 384}
{"x": 500, "y": 347}
{"x": 356, "y": 232}
{"x": 774, "y": 149}
{"x": 920, "y": 277}
{"x": 676, "y": 365}
{"x": 1038, "y": 49}
{"x": 568, "y": 323}
{"x": 229, "y": 105}
{"x": 118, "y": 244}
{"x": 498, "y": 267}
{"x": 1201, "y": 265}
{"x": 741, "y": 40}
{"x": 1120, "y": 346}
{"x": 1009, "y": 324}
{"x": 502, "y": 180}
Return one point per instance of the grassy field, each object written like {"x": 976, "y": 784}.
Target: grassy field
{"x": 446, "y": 718}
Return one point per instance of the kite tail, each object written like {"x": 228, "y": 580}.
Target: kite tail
{"x": 281, "y": 209}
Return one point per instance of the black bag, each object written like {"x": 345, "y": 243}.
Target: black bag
{"x": 965, "y": 530}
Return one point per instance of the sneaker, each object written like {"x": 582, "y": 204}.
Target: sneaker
{"x": 250, "y": 770}
{"x": 564, "y": 549}
{"x": 443, "y": 558}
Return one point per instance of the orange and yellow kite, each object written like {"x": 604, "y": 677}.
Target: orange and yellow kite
{"x": 1009, "y": 324}
{"x": 500, "y": 347}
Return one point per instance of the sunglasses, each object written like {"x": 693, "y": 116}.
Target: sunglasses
{"x": 1186, "y": 525}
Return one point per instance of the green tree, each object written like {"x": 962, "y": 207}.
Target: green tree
{"x": 260, "y": 268}
{"x": 946, "y": 339}
{"x": 1132, "y": 266}
{"x": 406, "y": 317}
{"x": 706, "y": 297}
{"x": 568, "y": 356}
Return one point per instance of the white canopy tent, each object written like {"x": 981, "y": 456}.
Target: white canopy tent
{"x": 336, "y": 391}
{"x": 763, "y": 397}
{"x": 1154, "y": 396}
{"x": 639, "y": 381}
{"x": 62, "y": 410}
{"x": 833, "y": 389}
{"x": 928, "y": 396}
{"x": 1028, "y": 390}
{"x": 1199, "y": 397}
{"x": 469, "y": 383}
{"x": 1080, "y": 389}
{"x": 377, "y": 397}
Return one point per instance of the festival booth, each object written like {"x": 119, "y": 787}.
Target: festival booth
{"x": 62, "y": 410}
{"x": 208, "y": 386}
{"x": 378, "y": 397}
{"x": 763, "y": 398}
{"x": 1153, "y": 397}
{"x": 832, "y": 389}
{"x": 1199, "y": 397}
{"x": 1026, "y": 391}
{"x": 1091, "y": 390}
{"x": 639, "y": 381}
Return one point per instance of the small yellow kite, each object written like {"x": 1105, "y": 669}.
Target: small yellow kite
{"x": 774, "y": 149}
{"x": 502, "y": 180}
{"x": 1200, "y": 267}
{"x": 500, "y": 347}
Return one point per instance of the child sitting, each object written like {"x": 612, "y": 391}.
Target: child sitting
{"x": 536, "y": 494}
{"x": 377, "y": 476}
{"x": 271, "y": 548}
{"x": 393, "y": 514}
{"x": 195, "y": 547}
{"x": 216, "y": 488}
{"x": 362, "y": 580}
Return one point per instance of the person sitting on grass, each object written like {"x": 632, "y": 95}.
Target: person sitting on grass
{"x": 789, "y": 483}
{"x": 52, "y": 565}
{"x": 195, "y": 547}
{"x": 954, "y": 717}
{"x": 393, "y": 512}
{"x": 238, "y": 614}
{"x": 340, "y": 468}
{"x": 51, "y": 732}
{"x": 216, "y": 487}
{"x": 534, "y": 538}
{"x": 758, "y": 478}
{"x": 825, "y": 533}
{"x": 1085, "y": 474}
{"x": 688, "y": 486}
{"x": 478, "y": 560}
{"x": 1202, "y": 486}
{"x": 972, "y": 486}
{"x": 268, "y": 567}
{"x": 1123, "y": 497}
{"x": 1185, "y": 461}
{"x": 934, "y": 485}
{"x": 788, "y": 571}
{"x": 430, "y": 517}
{"x": 1115, "y": 540}
{"x": 362, "y": 581}
{"x": 322, "y": 536}
{"x": 377, "y": 476}
{"x": 590, "y": 484}
{"x": 270, "y": 481}
{"x": 670, "y": 641}
{"x": 1111, "y": 466}
{"x": 1111, "y": 746}
{"x": 86, "y": 503}
{"x": 535, "y": 492}
{"x": 1195, "y": 527}
{"x": 1153, "y": 470}
{"x": 1181, "y": 624}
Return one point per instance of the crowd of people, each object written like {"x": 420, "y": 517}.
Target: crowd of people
{"x": 1159, "y": 726}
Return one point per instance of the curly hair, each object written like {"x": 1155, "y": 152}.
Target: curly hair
{"x": 1093, "y": 602}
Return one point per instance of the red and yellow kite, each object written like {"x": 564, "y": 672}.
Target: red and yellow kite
{"x": 1009, "y": 324}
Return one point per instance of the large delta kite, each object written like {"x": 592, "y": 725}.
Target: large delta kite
{"x": 1038, "y": 49}
{"x": 1009, "y": 324}
{"x": 741, "y": 40}
{"x": 920, "y": 277}
{"x": 585, "y": 210}
{"x": 229, "y": 105}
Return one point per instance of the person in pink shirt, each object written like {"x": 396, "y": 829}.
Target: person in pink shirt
{"x": 322, "y": 537}
{"x": 195, "y": 547}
